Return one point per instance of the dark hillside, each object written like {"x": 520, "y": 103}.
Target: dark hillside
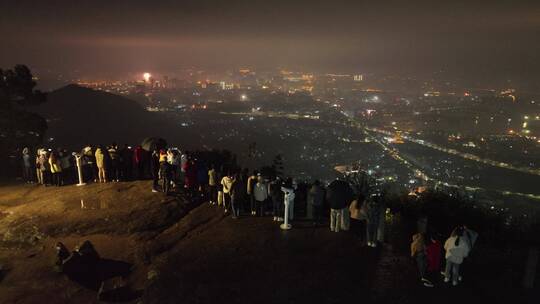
{"x": 78, "y": 115}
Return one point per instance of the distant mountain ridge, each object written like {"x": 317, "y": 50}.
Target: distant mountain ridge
{"x": 77, "y": 115}
{"x": 95, "y": 95}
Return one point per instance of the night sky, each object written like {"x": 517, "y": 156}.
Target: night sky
{"x": 106, "y": 38}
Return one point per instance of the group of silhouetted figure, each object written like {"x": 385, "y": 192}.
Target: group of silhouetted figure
{"x": 240, "y": 192}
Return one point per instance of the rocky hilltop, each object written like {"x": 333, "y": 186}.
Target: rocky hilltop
{"x": 181, "y": 250}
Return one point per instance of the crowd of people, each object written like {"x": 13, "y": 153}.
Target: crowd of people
{"x": 427, "y": 251}
{"x": 221, "y": 183}
{"x": 241, "y": 193}
{"x": 99, "y": 164}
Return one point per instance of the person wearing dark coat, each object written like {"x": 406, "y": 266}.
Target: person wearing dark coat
{"x": 165, "y": 172}
{"x": 202, "y": 177}
{"x": 373, "y": 212}
{"x": 138, "y": 159}
{"x": 154, "y": 167}
{"x": 114, "y": 172}
{"x": 251, "y": 181}
{"x": 227, "y": 188}
{"x": 418, "y": 252}
{"x": 357, "y": 211}
{"x": 212, "y": 185}
{"x": 260, "y": 193}
{"x": 236, "y": 195}
{"x": 126, "y": 163}
{"x": 90, "y": 170}
{"x": 27, "y": 165}
{"x": 339, "y": 195}
{"x": 190, "y": 180}
{"x": 316, "y": 200}
{"x": 277, "y": 198}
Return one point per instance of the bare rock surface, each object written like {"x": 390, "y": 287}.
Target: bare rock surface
{"x": 187, "y": 252}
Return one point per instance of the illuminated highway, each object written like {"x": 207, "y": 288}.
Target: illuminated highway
{"x": 394, "y": 153}
{"x": 418, "y": 172}
{"x": 458, "y": 153}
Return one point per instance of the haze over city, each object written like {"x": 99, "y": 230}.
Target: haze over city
{"x": 108, "y": 39}
{"x": 269, "y": 151}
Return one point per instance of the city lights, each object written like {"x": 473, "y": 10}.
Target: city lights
{"x": 202, "y": 129}
{"x": 147, "y": 76}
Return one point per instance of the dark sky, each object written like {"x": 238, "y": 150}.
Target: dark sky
{"x": 115, "y": 37}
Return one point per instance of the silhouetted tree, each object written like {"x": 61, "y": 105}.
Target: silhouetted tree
{"x": 17, "y": 88}
{"x": 18, "y": 126}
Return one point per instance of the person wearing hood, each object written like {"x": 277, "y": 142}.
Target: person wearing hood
{"x": 457, "y": 249}
{"x": 470, "y": 236}
{"x": 101, "y": 164}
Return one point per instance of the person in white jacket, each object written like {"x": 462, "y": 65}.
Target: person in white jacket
{"x": 456, "y": 250}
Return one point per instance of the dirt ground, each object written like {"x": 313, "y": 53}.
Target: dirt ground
{"x": 118, "y": 219}
{"x": 184, "y": 252}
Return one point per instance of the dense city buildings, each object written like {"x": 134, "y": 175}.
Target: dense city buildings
{"x": 407, "y": 131}
{"x": 244, "y": 151}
